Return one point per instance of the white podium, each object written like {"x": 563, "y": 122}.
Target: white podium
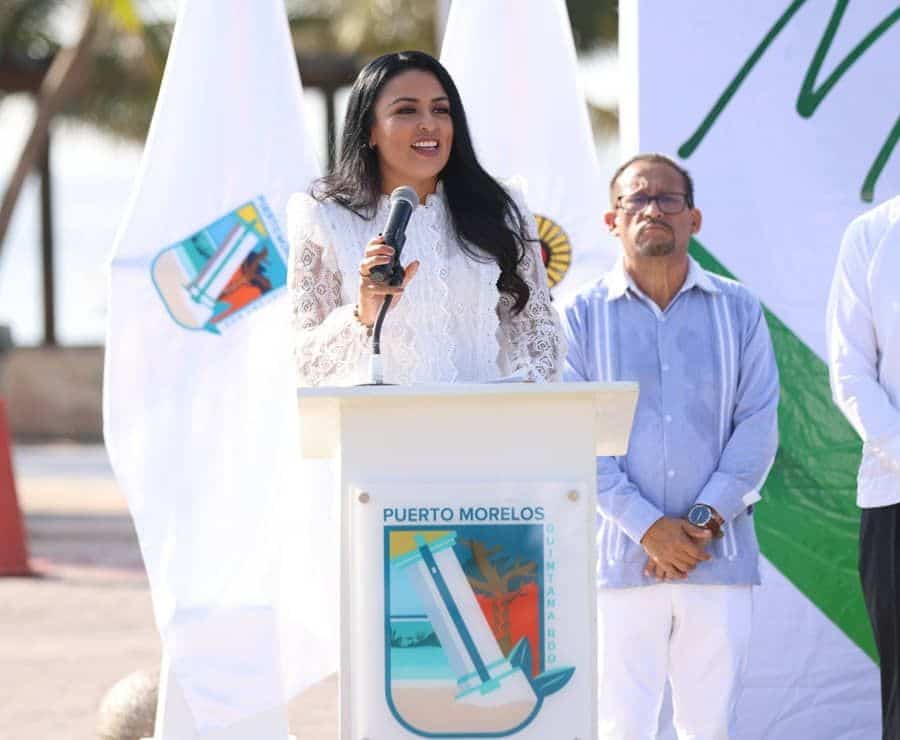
{"x": 468, "y": 559}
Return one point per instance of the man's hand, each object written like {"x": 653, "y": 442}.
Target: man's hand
{"x": 674, "y": 547}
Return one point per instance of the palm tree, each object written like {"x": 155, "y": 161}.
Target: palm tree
{"x": 23, "y": 28}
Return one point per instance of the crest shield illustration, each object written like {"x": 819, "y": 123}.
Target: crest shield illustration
{"x": 465, "y": 652}
{"x": 206, "y": 280}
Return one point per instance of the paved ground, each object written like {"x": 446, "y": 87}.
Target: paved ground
{"x": 67, "y": 636}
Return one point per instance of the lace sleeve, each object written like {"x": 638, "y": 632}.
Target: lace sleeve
{"x": 532, "y": 340}
{"x": 330, "y": 346}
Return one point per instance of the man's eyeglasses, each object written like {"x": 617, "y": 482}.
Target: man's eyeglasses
{"x": 668, "y": 203}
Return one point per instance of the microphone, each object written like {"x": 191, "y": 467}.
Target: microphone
{"x": 403, "y": 202}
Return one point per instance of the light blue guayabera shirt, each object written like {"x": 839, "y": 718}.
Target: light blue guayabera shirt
{"x": 705, "y": 428}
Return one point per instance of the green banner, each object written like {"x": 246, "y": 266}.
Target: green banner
{"x": 808, "y": 522}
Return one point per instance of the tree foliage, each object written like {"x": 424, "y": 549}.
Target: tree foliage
{"x": 123, "y": 74}
{"x": 69, "y": 74}
{"x": 370, "y": 27}
{"x": 364, "y": 27}
{"x": 594, "y": 22}
{"x": 128, "y": 57}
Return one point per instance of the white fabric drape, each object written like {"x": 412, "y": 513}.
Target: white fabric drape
{"x": 201, "y": 424}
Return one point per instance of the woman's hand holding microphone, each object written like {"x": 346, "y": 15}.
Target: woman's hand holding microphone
{"x": 371, "y": 293}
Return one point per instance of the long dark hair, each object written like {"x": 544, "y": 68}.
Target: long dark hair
{"x": 481, "y": 211}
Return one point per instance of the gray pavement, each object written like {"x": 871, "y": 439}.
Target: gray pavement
{"x": 86, "y": 621}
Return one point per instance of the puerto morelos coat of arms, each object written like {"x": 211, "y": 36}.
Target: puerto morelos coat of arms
{"x": 213, "y": 276}
{"x": 465, "y": 631}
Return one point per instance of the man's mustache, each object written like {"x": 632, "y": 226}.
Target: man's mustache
{"x": 655, "y": 223}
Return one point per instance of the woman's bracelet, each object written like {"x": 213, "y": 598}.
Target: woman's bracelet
{"x": 361, "y": 322}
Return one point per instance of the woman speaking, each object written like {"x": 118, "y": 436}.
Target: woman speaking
{"x": 474, "y": 304}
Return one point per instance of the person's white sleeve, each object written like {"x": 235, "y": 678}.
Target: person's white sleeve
{"x": 853, "y": 351}
{"x": 331, "y": 347}
{"x": 532, "y": 339}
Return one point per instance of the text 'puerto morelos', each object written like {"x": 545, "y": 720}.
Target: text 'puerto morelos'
{"x": 429, "y": 514}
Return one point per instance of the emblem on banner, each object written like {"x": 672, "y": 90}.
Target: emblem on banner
{"x": 556, "y": 249}
{"x": 466, "y": 648}
{"x": 217, "y": 274}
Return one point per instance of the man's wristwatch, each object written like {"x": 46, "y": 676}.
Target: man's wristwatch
{"x": 706, "y": 517}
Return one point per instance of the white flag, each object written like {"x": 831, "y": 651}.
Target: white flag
{"x": 514, "y": 64}
{"x": 199, "y": 406}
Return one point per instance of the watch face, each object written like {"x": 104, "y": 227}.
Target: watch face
{"x": 699, "y": 516}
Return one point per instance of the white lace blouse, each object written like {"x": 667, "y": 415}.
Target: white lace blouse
{"x": 452, "y": 325}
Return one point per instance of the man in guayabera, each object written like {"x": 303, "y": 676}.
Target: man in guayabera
{"x": 863, "y": 331}
{"x": 678, "y": 553}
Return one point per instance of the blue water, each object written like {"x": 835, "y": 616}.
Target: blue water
{"x": 417, "y": 662}
{"x": 420, "y": 664}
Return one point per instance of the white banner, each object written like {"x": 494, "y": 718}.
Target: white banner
{"x": 786, "y": 113}
{"x": 199, "y": 408}
{"x": 514, "y": 64}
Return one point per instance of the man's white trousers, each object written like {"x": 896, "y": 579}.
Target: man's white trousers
{"x": 696, "y": 636}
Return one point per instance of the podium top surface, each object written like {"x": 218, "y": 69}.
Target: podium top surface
{"x": 321, "y": 408}
{"x": 457, "y": 390}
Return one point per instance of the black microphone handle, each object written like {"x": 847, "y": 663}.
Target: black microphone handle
{"x": 394, "y": 236}
{"x": 397, "y": 273}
